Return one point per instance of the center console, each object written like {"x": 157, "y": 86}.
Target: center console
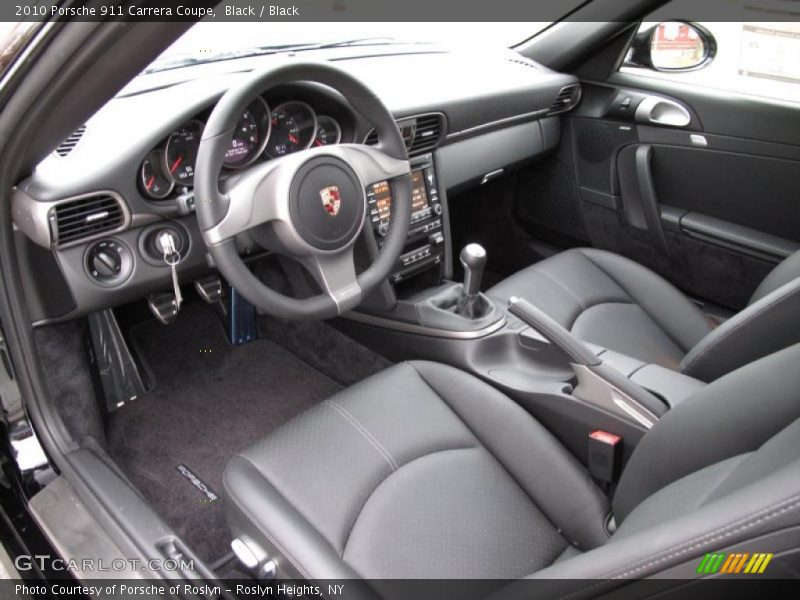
{"x": 425, "y": 245}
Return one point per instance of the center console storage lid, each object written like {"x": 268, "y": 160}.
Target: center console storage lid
{"x": 671, "y": 386}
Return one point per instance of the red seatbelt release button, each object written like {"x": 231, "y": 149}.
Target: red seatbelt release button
{"x": 605, "y": 450}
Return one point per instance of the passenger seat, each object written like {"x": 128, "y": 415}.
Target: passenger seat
{"x": 614, "y": 302}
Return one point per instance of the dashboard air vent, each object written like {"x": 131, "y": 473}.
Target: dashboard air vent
{"x": 427, "y": 135}
{"x": 567, "y": 99}
{"x": 525, "y": 62}
{"x": 65, "y": 147}
{"x": 421, "y": 134}
{"x": 87, "y": 216}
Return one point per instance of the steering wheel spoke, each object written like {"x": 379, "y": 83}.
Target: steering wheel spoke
{"x": 336, "y": 275}
{"x": 370, "y": 164}
{"x": 252, "y": 201}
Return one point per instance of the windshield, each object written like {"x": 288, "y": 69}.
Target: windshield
{"x": 206, "y": 42}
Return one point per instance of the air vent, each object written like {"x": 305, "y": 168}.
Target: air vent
{"x": 427, "y": 135}
{"x": 525, "y": 63}
{"x": 567, "y": 99}
{"x": 84, "y": 217}
{"x": 68, "y": 145}
{"x": 421, "y": 134}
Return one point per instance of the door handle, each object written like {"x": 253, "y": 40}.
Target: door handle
{"x": 662, "y": 111}
{"x": 637, "y": 188}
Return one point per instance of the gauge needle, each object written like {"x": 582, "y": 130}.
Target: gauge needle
{"x": 176, "y": 164}
{"x": 317, "y": 143}
{"x": 150, "y": 182}
{"x": 292, "y": 139}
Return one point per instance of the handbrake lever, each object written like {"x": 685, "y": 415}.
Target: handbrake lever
{"x": 598, "y": 383}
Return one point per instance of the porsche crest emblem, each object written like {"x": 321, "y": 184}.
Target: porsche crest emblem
{"x": 331, "y": 200}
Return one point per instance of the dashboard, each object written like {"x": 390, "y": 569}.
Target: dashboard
{"x": 88, "y": 217}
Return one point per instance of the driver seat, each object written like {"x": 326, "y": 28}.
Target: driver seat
{"x": 423, "y": 471}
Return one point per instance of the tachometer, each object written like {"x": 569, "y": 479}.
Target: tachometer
{"x": 250, "y": 136}
{"x": 294, "y": 125}
{"x": 328, "y": 131}
{"x": 152, "y": 178}
{"x": 180, "y": 152}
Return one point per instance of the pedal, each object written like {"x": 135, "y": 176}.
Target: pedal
{"x": 163, "y": 306}
{"x": 209, "y": 289}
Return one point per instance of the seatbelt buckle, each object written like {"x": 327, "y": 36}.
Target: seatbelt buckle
{"x": 605, "y": 450}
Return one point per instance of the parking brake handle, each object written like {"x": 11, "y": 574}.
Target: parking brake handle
{"x": 578, "y": 352}
{"x": 598, "y": 383}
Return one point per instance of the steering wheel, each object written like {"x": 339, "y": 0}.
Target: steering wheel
{"x": 310, "y": 205}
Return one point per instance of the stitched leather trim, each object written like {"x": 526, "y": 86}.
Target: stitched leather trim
{"x": 698, "y": 543}
{"x": 769, "y": 303}
{"x": 359, "y": 426}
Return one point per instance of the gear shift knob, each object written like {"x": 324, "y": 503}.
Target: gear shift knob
{"x": 473, "y": 259}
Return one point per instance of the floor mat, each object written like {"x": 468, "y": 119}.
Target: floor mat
{"x": 211, "y": 401}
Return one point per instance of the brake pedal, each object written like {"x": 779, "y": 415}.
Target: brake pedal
{"x": 164, "y": 307}
{"x": 209, "y": 289}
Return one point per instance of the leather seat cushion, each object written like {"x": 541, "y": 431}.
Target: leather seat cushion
{"x": 608, "y": 300}
{"x": 421, "y": 471}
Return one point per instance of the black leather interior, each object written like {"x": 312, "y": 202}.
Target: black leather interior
{"x": 386, "y": 479}
{"x": 611, "y": 301}
{"x": 423, "y": 471}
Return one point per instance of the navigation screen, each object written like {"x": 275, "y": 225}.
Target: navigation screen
{"x": 383, "y": 196}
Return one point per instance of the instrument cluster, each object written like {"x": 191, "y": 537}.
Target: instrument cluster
{"x": 261, "y": 133}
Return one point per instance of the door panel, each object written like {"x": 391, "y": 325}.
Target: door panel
{"x": 707, "y": 208}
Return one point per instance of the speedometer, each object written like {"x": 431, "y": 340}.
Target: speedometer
{"x": 250, "y": 135}
{"x": 294, "y": 125}
{"x": 180, "y": 152}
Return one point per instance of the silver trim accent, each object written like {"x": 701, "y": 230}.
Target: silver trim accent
{"x": 492, "y": 175}
{"x": 96, "y": 216}
{"x": 245, "y": 555}
{"x": 662, "y": 111}
{"x": 36, "y": 218}
{"x": 393, "y": 325}
{"x": 593, "y": 389}
{"x": 698, "y": 140}
{"x": 498, "y": 124}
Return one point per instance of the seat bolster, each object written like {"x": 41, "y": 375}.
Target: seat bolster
{"x": 685, "y": 537}
{"x": 678, "y": 316}
{"x": 766, "y": 326}
{"x": 285, "y": 535}
{"x": 788, "y": 270}
{"x": 559, "y": 485}
{"x": 719, "y": 421}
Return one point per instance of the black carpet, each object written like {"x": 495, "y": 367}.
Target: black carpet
{"x": 211, "y": 401}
